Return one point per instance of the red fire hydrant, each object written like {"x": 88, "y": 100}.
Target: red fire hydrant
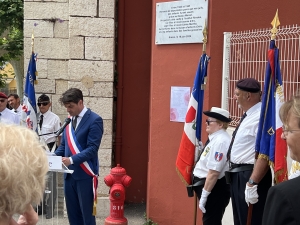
{"x": 117, "y": 180}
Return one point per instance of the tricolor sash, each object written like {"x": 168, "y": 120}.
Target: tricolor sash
{"x": 75, "y": 148}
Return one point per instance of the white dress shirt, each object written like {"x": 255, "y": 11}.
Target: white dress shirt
{"x": 214, "y": 156}
{"x": 18, "y": 111}
{"x": 80, "y": 115}
{"x": 243, "y": 148}
{"x": 51, "y": 123}
{"x": 9, "y": 117}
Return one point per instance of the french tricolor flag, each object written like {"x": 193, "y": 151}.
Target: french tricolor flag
{"x": 269, "y": 144}
{"x": 191, "y": 136}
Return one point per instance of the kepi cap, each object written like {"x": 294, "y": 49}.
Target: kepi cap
{"x": 249, "y": 85}
{"x": 2, "y": 95}
{"x": 219, "y": 114}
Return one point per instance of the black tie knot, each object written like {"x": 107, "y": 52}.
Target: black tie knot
{"x": 41, "y": 121}
{"x": 74, "y": 122}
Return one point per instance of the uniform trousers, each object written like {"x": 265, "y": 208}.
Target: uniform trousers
{"x": 239, "y": 205}
{"x": 216, "y": 201}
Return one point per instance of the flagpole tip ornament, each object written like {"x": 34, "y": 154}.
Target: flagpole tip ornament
{"x": 204, "y": 37}
{"x": 32, "y": 42}
{"x": 219, "y": 114}
{"x": 248, "y": 85}
{"x": 275, "y": 23}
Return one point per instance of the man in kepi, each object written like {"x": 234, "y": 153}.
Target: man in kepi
{"x": 48, "y": 123}
{"x": 79, "y": 147}
{"x": 6, "y": 115}
{"x": 241, "y": 156}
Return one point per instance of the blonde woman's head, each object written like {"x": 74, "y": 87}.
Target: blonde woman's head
{"x": 23, "y": 166}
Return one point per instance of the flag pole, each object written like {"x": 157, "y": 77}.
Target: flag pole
{"x": 203, "y": 88}
{"x": 275, "y": 23}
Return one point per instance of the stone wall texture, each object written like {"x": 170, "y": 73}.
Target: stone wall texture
{"x": 75, "y": 43}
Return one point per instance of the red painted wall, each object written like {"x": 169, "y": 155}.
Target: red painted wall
{"x": 134, "y": 67}
{"x": 175, "y": 65}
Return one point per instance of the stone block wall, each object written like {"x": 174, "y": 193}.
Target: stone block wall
{"x": 75, "y": 43}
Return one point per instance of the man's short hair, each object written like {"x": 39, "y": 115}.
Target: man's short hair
{"x": 44, "y": 98}
{"x": 72, "y": 95}
{"x": 16, "y": 96}
{"x": 23, "y": 166}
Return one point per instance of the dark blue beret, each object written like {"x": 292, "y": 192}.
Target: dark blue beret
{"x": 249, "y": 85}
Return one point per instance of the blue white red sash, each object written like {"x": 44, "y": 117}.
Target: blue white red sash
{"x": 75, "y": 148}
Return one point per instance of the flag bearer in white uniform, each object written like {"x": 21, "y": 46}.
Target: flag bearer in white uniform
{"x": 210, "y": 184}
{"x": 249, "y": 183}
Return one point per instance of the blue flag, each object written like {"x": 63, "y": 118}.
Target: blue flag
{"x": 269, "y": 144}
{"x": 199, "y": 91}
{"x": 29, "y": 102}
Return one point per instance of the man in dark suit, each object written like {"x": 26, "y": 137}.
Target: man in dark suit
{"x": 283, "y": 200}
{"x": 79, "y": 148}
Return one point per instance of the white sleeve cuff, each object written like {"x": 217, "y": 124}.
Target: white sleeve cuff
{"x": 71, "y": 160}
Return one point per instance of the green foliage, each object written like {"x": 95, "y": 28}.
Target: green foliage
{"x": 2, "y": 80}
{"x": 11, "y": 32}
{"x": 4, "y": 74}
{"x": 148, "y": 221}
{"x": 11, "y": 29}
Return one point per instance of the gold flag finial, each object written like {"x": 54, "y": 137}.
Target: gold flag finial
{"x": 32, "y": 42}
{"x": 275, "y": 23}
{"x": 204, "y": 37}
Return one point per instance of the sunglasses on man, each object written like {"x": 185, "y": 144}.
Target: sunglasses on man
{"x": 43, "y": 103}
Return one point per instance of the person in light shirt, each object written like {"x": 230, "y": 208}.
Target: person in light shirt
{"x": 248, "y": 181}
{"x": 48, "y": 123}
{"x": 15, "y": 104}
{"x": 210, "y": 184}
{"x": 7, "y": 116}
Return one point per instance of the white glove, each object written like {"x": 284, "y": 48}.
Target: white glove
{"x": 203, "y": 200}
{"x": 251, "y": 195}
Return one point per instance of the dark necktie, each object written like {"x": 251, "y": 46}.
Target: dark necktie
{"x": 233, "y": 136}
{"x": 74, "y": 122}
{"x": 41, "y": 121}
{"x": 0, "y": 116}
{"x": 16, "y": 111}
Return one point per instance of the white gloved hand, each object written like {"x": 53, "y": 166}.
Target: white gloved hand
{"x": 251, "y": 195}
{"x": 203, "y": 200}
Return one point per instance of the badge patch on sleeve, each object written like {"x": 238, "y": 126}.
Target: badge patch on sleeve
{"x": 218, "y": 156}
